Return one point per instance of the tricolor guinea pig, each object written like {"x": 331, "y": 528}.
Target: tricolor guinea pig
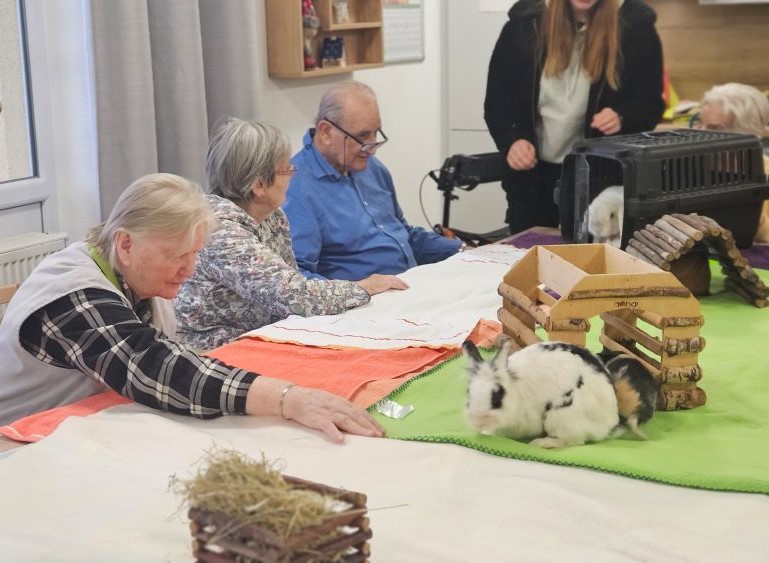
{"x": 635, "y": 387}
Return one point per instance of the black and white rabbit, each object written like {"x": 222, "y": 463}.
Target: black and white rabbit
{"x": 635, "y": 387}
{"x": 605, "y": 215}
{"x": 557, "y": 393}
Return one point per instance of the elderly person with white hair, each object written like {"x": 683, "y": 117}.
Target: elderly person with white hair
{"x": 346, "y": 222}
{"x": 96, "y": 315}
{"x": 247, "y": 276}
{"x": 739, "y": 108}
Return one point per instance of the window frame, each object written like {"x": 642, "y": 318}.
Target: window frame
{"x": 38, "y": 188}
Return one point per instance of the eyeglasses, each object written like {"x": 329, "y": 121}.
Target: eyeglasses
{"x": 290, "y": 171}
{"x": 364, "y": 147}
{"x": 695, "y": 122}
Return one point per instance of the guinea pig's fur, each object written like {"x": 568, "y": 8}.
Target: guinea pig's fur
{"x": 635, "y": 387}
{"x": 557, "y": 393}
{"x": 605, "y": 215}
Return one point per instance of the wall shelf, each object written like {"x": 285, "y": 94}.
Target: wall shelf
{"x": 363, "y": 37}
{"x": 354, "y": 25}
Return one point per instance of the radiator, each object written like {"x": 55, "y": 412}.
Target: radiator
{"x": 20, "y": 254}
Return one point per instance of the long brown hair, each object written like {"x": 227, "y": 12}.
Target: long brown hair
{"x": 601, "y": 55}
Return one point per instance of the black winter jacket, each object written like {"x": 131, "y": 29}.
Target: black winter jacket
{"x": 512, "y": 87}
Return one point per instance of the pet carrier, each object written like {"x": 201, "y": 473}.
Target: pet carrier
{"x": 712, "y": 173}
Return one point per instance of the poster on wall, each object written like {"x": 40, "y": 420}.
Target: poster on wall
{"x": 403, "y": 31}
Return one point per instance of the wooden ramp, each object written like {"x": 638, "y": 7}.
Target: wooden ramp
{"x": 646, "y": 311}
{"x": 673, "y": 236}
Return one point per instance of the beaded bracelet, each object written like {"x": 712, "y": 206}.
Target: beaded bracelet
{"x": 283, "y": 398}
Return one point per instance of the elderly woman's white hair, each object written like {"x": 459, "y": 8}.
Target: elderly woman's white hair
{"x": 241, "y": 152}
{"x": 747, "y": 107}
{"x": 160, "y": 205}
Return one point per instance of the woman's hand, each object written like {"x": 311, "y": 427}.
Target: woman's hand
{"x": 607, "y": 121}
{"x": 377, "y": 283}
{"x": 312, "y": 408}
{"x": 522, "y": 155}
{"x": 329, "y": 413}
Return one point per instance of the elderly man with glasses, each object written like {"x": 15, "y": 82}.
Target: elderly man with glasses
{"x": 345, "y": 219}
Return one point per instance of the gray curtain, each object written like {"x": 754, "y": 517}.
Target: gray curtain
{"x": 165, "y": 72}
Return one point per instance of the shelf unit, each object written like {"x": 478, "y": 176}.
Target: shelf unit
{"x": 363, "y": 41}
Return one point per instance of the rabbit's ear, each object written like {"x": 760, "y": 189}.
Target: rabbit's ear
{"x": 499, "y": 362}
{"x": 471, "y": 351}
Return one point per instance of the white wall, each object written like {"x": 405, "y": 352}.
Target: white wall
{"x": 482, "y": 209}
{"x": 413, "y": 105}
{"x": 410, "y": 97}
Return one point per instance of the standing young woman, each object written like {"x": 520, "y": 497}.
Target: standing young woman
{"x": 562, "y": 71}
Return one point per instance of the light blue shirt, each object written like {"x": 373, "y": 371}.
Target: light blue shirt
{"x": 349, "y": 226}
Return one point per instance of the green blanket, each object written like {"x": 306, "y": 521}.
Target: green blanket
{"x": 723, "y": 445}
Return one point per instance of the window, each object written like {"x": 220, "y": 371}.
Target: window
{"x": 26, "y": 170}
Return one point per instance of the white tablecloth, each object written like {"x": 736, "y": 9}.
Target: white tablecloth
{"x": 97, "y": 489}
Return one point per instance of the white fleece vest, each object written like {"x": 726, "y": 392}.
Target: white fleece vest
{"x": 28, "y": 385}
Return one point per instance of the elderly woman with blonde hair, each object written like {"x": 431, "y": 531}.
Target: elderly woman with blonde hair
{"x": 96, "y": 316}
{"x": 739, "y": 108}
{"x": 247, "y": 275}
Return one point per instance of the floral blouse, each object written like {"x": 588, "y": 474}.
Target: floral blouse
{"x": 246, "y": 277}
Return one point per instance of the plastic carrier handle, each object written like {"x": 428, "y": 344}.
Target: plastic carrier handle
{"x": 655, "y": 134}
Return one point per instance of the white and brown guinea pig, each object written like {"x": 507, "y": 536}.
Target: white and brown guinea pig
{"x": 635, "y": 387}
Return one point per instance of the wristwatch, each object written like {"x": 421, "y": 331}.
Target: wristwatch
{"x": 462, "y": 247}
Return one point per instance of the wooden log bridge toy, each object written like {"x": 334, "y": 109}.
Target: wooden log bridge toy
{"x": 646, "y": 311}
{"x": 672, "y": 236}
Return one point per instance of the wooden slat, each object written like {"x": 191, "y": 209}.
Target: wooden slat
{"x": 518, "y": 299}
{"x": 683, "y": 14}
{"x": 633, "y": 333}
{"x": 6, "y": 292}
{"x": 650, "y": 363}
{"x": 512, "y": 326}
{"x": 705, "y": 45}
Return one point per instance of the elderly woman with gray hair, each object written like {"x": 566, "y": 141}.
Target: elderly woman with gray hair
{"x": 96, "y": 315}
{"x": 247, "y": 276}
{"x": 739, "y": 108}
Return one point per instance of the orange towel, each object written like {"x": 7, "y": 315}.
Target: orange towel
{"x": 37, "y": 426}
{"x": 361, "y": 375}
{"x": 485, "y": 333}
{"x": 340, "y": 371}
